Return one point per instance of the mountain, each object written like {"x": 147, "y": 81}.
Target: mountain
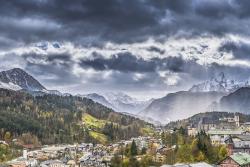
{"x": 17, "y": 79}
{"x": 219, "y": 84}
{"x": 200, "y": 98}
{"x": 180, "y": 105}
{"x": 119, "y": 102}
{"x": 238, "y": 101}
{"x": 65, "y": 119}
{"x": 99, "y": 99}
{"x": 124, "y": 103}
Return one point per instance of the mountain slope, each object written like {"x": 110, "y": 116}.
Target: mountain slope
{"x": 18, "y": 79}
{"x": 61, "y": 119}
{"x": 212, "y": 117}
{"x": 180, "y": 105}
{"x": 99, "y": 99}
{"x": 238, "y": 101}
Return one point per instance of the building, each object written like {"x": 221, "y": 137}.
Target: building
{"x": 17, "y": 164}
{"x": 219, "y": 136}
{"x": 238, "y": 143}
{"x": 199, "y": 164}
{"x": 192, "y": 131}
{"x": 52, "y": 163}
{"x": 231, "y": 120}
{"x": 22, "y": 162}
{"x": 207, "y": 123}
{"x": 236, "y": 160}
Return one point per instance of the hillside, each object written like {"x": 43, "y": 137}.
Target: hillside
{"x": 180, "y": 105}
{"x": 238, "y": 101}
{"x": 210, "y": 116}
{"x": 64, "y": 119}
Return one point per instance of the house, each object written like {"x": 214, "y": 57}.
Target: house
{"x": 52, "y": 163}
{"x": 219, "y": 136}
{"x": 22, "y": 162}
{"x": 236, "y": 160}
{"x": 199, "y": 164}
{"x": 17, "y": 164}
{"x": 238, "y": 143}
{"x": 192, "y": 131}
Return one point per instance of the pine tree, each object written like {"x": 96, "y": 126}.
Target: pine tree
{"x": 133, "y": 149}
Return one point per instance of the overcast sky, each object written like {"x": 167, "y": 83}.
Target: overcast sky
{"x": 145, "y": 48}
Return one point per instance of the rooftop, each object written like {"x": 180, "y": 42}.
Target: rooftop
{"x": 241, "y": 158}
{"x": 199, "y": 164}
{"x": 225, "y": 132}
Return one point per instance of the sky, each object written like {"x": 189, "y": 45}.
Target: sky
{"x": 145, "y": 48}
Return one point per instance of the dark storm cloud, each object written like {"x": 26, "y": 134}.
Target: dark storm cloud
{"x": 90, "y": 22}
{"x": 232, "y": 72}
{"x": 239, "y": 50}
{"x": 58, "y": 66}
{"x": 156, "y": 49}
{"x": 127, "y": 62}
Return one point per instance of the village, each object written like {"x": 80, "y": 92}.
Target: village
{"x": 83, "y": 155}
{"x": 227, "y": 131}
{"x": 232, "y": 133}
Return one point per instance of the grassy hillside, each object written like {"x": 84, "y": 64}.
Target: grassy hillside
{"x": 97, "y": 128}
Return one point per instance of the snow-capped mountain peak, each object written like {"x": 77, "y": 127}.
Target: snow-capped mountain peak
{"x": 120, "y": 97}
{"x": 119, "y": 101}
{"x": 17, "y": 78}
{"x": 218, "y": 84}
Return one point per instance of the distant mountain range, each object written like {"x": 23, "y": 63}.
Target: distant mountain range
{"x": 18, "y": 79}
{"x": 180, "y": 105}
{"x": 27, "y": 106}
{"x": 120, "y": 102}
{"x": 99, "y": 99}
{"x": 218, "y": 93}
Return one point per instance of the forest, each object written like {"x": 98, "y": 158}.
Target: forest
{"x": 61, "y": 119}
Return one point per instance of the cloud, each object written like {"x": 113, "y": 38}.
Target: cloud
{"x": 240, "y": 50}
{"x": 95, "y": 22}
{"x": 77, "y": 69}
{"x": 127, "y": 62}
{"x": 53, "y": 69}
{"x": 134, "y": 45}
{"x": 156, "y": 49}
